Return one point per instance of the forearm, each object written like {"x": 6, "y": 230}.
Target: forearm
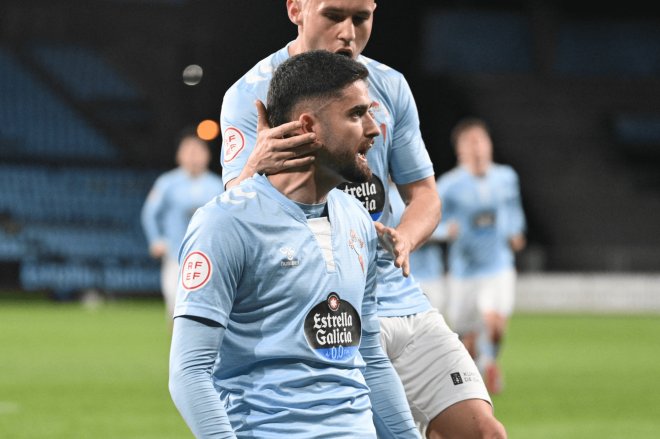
{"x": 392, "y": 417}
{"x": 421, "y": 217}
{"x": 195, "y": 347}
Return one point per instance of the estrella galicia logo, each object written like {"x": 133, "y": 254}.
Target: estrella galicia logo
{"x": 371, "y": 195}
{"x": 333, "y": 329}
{"x": 456, "y": 378}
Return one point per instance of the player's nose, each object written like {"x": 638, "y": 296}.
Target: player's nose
{"x": 347, "y": 31}
{"x": 371, "y": 129}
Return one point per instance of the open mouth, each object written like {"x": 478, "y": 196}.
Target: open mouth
{"x": 362, "y": 152}
{"x": 345, "y": 52}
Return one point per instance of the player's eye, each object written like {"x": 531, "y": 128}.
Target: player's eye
{"x": 335, "y": 17}
{"x": 358, "y": 20}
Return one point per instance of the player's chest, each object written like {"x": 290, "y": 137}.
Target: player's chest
{"x": 305, "y": 262}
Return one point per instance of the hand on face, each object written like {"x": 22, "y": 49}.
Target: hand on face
{"x": 273, "y": 152}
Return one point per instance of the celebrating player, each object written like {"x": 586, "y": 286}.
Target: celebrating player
{"x": 443, "y": 386}
{"x": 278, "y": 283}
{"x": 482, "y": 215}
{"x": 175, "y": 197}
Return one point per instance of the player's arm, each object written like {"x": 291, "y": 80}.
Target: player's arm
{"x": 150, "y": 216}
{"x": 211, "y": 267}
{"x": 265, "y": 150}
{"x": 412, "y": 171}
{"x": 392, "y": 417}
{"x": 195, "y": 346}
{"x": 518, "y": 225}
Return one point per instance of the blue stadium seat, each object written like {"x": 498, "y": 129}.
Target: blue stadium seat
{"x": 136, "y": 279}
{"x": 625, "y": 50}
{"x": 35, "y": 275}
{"x": 477, "y": 42}
{"x": 83, "y": 72}
{"x": 35, "y": 123}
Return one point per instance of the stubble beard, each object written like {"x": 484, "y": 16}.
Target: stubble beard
{"x": 351, "y": 168}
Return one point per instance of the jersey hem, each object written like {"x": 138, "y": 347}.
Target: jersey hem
{"x": 413, "y": 176}
{"x": 398, "y": 312}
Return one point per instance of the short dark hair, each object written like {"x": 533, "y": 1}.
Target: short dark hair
{"x": 465, "y": 124}
{"x": 309, "y": 75}
{"x": 189, "y": 131}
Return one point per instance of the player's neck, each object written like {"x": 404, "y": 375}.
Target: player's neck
{"x": 305, "y": 184}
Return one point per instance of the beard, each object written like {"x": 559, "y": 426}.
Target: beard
{"x": 351, "y": 168}
{"x": 345, "y": 161}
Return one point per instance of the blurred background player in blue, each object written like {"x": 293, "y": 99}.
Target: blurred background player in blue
{"x": 426, "y": 265}
{"x": 173, "y": 200}
{"x": 482, "y": 216}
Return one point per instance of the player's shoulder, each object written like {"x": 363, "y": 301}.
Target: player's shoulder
{"x": 505, "y": 171}
{"x": 255, "y": 81}
{"x": 379, "y": 70}
{"x": 214, "y": 178}
{"x": 171, "y": 177}
{"x": 451, "y": 177}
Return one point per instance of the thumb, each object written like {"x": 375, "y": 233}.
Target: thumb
{"x": 380, "y": 228}
{"x": 262, "y": 116}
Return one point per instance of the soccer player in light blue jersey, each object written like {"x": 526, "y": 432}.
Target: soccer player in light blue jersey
{"x": 276, "y": 333}
{"x": 482, "y": 215}
{"x": 443, "y": 386}
{"x": 426, "y": 264}
{"x": 173, "y": 200}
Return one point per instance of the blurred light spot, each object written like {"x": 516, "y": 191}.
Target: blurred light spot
{"x": 208, "y": 130}
{"x": 192, "y": 74}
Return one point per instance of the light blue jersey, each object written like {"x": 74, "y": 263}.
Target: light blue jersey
{"x": 296, "y": 296}
{"x": 398, "y": 151}
{"x": 173, "y": 200}
{"x": 425, "y": 262}
{"x": 488, "y": 212}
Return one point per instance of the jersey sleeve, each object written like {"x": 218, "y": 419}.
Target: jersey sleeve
{"x": 409, "y": 160}
{"x": 152, "y": 210}
{"x": 517, "y": 223}
{"x": 212, "y": 257}
{"x": 238, "y": 121}
{"x": 369, "y": 304}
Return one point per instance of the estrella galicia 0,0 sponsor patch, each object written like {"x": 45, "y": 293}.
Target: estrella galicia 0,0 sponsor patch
{"x": 371, "y": 195}
{"x": 333, "y": 329}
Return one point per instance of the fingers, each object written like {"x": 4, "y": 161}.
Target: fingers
{"x": 292, "y": 142}
{"x": 406, "y": 268}
{"x": 380, "y": 228}
{"x": 262, "y": 116}
{"x": 297, "y": 162}
{"x": 284, "y": 129}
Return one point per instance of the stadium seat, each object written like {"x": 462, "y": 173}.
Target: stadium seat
{"x": 477, "y": 42}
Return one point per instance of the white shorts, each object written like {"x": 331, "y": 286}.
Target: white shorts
{"x": 470, "y": 298}
{"x": 169, "y": 277}
{"x": 433, "y": 365}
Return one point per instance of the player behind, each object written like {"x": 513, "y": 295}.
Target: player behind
{"x": 482, "y": 215}
{"x": 276, "y": 332}
{"x": 426, "y": 263}
{"x": 442, "y": 383}
{"x": 172, "y": 202}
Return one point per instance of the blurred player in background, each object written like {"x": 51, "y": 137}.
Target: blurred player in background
{"x": 442, "y": 384}
{"x": 426, "y": 264}
{"x": 276, "y": 333}
{"x": 173, "y": 200}
{"x": 482, "y": 216}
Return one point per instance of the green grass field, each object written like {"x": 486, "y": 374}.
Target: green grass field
{"x": 67, "y": 372}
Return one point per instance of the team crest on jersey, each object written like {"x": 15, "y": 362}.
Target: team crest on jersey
{"x": 234, "y": 142}
{"x": 357, "y": 245}
{"x": 333, "y": 329}
{"x": 196, "y": 271}
{"x": 371, "y": 195}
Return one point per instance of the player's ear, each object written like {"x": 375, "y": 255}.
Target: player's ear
{"x": 294, "y": 8}
{"x": 308, "y": 122}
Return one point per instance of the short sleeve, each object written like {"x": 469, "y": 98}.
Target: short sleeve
{"x": 409, "y": 160}
{"x": 238, "y": 121}
{"x": 211, "y": 259}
